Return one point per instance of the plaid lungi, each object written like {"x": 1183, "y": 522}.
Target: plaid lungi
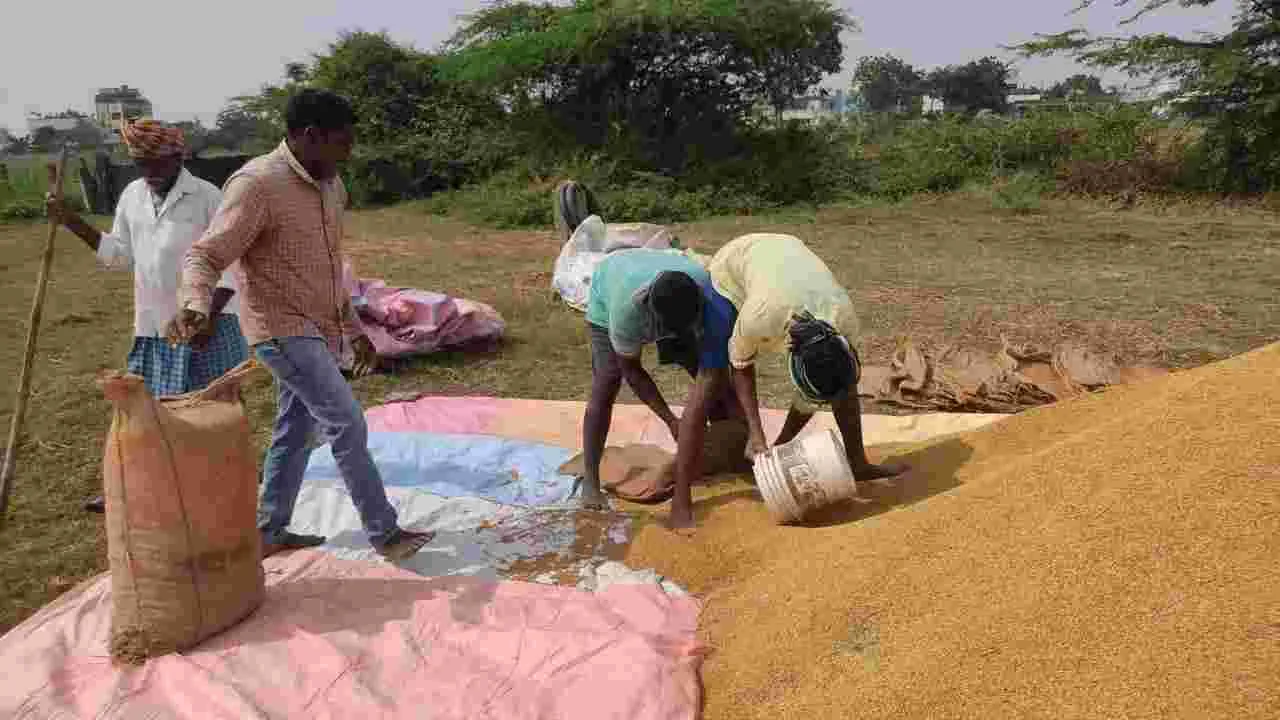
{"x": 178, "y": 369}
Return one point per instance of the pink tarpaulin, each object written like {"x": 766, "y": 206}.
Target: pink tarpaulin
{"x": 405, "y": 321}
{"x": 342, "y": 639}
{"x": 559, "y": 423}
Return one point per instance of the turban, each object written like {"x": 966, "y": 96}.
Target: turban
{"x": 150, "y": 139}
{"x": 822, "y": 364}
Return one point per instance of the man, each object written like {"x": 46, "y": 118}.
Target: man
{"x": 281, "y": 218}
{"x": 788, "y": 301}
{"x": 158, "y": 217}
{"x": 639, "y": 297}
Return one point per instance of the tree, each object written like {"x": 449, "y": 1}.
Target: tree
{"x": 44, "y": 139}
{"x": 240, "y": 125}
{"x": 18, "y": 145}
{"x": 979, "y": 85}
{"x": 256, "y": 121}
{"x": 296, "y": 72}
{"x": 1230, "y": 81}
{"x": 197, "y": 136}
{"x": 84, "y": 134}
{"x": 1081, "y": 86}
{"x": 662, "y": 81}
{"x": 888, "y": 84}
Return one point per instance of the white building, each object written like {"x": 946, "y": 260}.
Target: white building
{"x": 61, "y": 122}
{"x": 111, "y": 105}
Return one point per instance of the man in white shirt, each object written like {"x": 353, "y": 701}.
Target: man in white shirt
{"x": 158, "y": 218}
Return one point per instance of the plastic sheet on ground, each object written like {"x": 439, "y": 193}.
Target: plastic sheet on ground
{"x": 559, "y": 423}
{"x": 503, "y": 470}
{"x": 499, "y": 507}
{"x": 342, "y": 639}
{"x": 405, "y": 321}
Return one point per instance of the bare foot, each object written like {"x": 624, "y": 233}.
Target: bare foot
{"x": 593, "y": 499}
{"x": 405, "y": 544}
{"x": 681, "y": 518}
{"x": 868, "y": 471}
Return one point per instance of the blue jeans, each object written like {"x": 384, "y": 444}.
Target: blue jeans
{"x": 311, "y": 392}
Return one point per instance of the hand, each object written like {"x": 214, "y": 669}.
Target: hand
{"x": 756, "y": 446}
{"x": 184, "y": 328}
{"x": 57, "y": 209}
{"x": 200, "y": 340}
{"x": 673, "y": 425}
{"x": 366, "y": 359}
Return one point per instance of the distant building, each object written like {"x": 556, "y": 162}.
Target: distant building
{"x": 61, "y": 122}
{"x": 1020, "y": 103}
{"x": 810, "y": 108}
{"x": 111, "y": 105}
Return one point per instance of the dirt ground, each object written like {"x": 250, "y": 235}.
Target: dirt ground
{"x": 1180, "y": 286}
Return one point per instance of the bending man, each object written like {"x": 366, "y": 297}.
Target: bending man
{"x": 640, "y": 297}
{"x": 786, "y": 300}
{"x": 789, "y": 302}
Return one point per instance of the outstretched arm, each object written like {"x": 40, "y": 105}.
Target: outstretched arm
{"x": 693, "y": 430}
{"x": 744, "y": 386}
{"x": 238, "y": 222}
{"x": 642, "y": 384}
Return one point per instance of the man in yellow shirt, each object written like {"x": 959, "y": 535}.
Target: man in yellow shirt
{"x": 788, "y": 301}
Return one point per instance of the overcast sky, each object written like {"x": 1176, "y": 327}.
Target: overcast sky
{"x": 188, "y": 63}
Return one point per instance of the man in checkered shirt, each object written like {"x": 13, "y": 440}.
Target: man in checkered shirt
{"x": 281, "y": 221}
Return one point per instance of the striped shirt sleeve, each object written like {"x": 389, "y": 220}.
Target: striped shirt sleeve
{"x": 239, "y": 221}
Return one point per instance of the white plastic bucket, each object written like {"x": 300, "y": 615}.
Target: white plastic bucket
{"x": 805, "y": 474}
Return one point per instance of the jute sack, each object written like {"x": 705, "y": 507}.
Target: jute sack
{"x": 644, "y": 473}
{"x": 181, "y": 491}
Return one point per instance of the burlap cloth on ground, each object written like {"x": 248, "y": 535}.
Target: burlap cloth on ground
{"x": 1013, "y": 379}
{"x": 646, "y": 473}
{"x": 1111, "y": 556}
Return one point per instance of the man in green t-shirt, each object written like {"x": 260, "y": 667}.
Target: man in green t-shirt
{"x": 638, "y": 297}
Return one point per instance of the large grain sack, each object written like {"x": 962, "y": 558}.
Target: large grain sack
{"x": 181, "y": 491}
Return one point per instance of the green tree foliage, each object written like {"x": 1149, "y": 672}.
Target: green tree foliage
{"x": 44, "y": 139}
{"x": 888, "y": 84}
{"x": 18, "y": 145}
{"x": 419, "y": 131}
{"x": 1081, "y": 86}
{"x": 198, "y": 137}
{"x": 664, "y": 82}
{"x": 1231, "y": 82}
{"x": 978, "y": 85}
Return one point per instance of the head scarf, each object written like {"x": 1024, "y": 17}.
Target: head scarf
{"x": 822, "y": 364}
{"x": 675, "y": 304}
{"x": 149, "y": 139}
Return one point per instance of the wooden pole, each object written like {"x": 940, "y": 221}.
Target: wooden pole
{"x": 57, "y": 173}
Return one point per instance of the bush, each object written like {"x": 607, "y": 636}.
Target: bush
{"x": 24, "y": 209}
{"x": 1021, "y": 192}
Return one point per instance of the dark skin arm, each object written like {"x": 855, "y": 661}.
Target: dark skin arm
{"x": 58, "y": 210}
{"x": 744, "y": 386}
{"x": 221, "y": 296}
{"x": 693, "y": 429}
{"x": 641, "y": 383}
{"x": 847, "y": 411}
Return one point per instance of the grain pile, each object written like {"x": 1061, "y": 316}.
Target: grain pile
{"x": 1112, "y": 556}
